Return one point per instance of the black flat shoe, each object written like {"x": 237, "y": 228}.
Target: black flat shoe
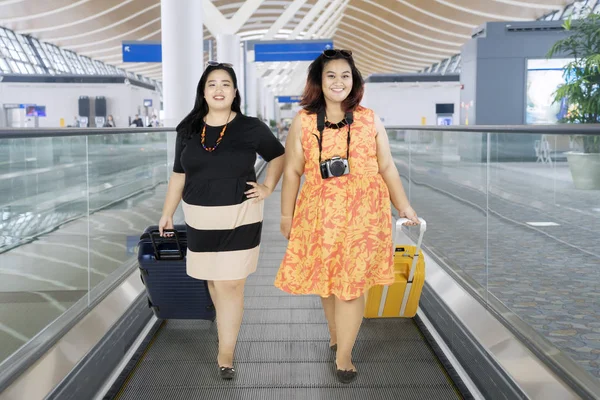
{"x": 344, "y": 376}
{"x": 226, "y": 373}
{"x": 333, "y": 347}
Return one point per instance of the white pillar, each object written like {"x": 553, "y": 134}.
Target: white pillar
{"x": 251, "y": 87}
{"x": 264, "y": 98}
{"x": 270, "y": 105}
{"x": 260, "y": 109}
{"x": 182, "y": 60}
{"x": 228, "y": 51}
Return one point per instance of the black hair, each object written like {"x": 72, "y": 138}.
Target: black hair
{"x": 193, "y": 122}
{"x": 313, "y": 99}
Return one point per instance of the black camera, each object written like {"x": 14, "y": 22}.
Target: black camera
{"x": 334, "y": 167}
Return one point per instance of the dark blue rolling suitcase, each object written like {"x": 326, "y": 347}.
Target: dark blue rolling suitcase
{"x": 172, "y": 293}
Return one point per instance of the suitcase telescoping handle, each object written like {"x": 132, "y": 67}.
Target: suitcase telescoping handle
{"x": 166, "y": 254}
{"x": 422, "y": 228}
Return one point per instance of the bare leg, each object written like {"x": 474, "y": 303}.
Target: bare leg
{"x": 348, "y": 318}
{"x": 329, "y": 308}
{"x": 228, "y": 297}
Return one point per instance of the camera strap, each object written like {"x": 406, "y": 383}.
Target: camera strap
{"x": 348, "y": 119}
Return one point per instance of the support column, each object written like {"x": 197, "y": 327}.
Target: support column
{"x": 182, "y": 60}
{"x": 251, "y": 86}
{"x": 228, "y": 50}
{"x": 270, "y": 105}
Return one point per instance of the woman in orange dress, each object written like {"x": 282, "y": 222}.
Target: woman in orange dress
{"x": 340, "y": 225}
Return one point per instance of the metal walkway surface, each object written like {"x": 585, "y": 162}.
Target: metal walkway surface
{"x": 283, "y": 350}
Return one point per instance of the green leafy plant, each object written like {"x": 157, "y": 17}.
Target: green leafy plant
{"x": 582, "y": 75}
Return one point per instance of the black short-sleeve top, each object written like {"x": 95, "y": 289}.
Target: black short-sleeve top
{"x": 219, "y": 178}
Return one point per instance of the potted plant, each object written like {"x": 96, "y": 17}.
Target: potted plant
{"x": 580, "y": 95}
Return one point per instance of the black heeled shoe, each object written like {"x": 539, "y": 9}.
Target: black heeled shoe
{"x": 226, "y": 373}
{"x": 345, "y": 376}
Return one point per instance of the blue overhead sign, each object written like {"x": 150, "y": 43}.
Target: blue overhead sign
{"x": 292, "y": 50}
{"x": 142, "y": 52}
{"x": 288, "y": 99}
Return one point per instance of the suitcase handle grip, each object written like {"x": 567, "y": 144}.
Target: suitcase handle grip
{"x": 158, "y": 255}
{"x": 422, "y": 228}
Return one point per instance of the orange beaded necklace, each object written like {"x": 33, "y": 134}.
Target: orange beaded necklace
{"x": 203, "y": 136}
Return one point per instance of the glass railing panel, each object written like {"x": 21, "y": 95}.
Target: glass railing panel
{"x": 516, "y": 219}
{"x": 445, "y": 177}
{"x": 447, "y": 186}
{"x": 126, "y": 172}
{"x": 43, "y": 186}
{"x": 543, "y": 232}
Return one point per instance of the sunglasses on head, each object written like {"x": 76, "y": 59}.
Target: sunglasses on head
{"x": 330, "y": 53}
{"x": 218, "y": 64}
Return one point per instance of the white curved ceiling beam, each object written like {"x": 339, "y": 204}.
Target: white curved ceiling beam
{"x": 390, "y": 48}
{"x": 42, "y": 15}
{"x": 363, "y": 54}
{"x": 358, "y": 58}
{"x": 393, "y": 56}
{"x": 308, "y": 18}
{"x": 496, "y": 17}
{"x": 407, "y": 31}
{"x": 9, "y": 2}
{"x": 335, "y": 17}
{"x": 110, "y": 39}
{"x": 417, "y": 23}
{"x": 287, "y": 15}
{"x": 366, "y": 52}
{"x": 436, "y": 16}
{"x": 331, "y": 32}
{"x": 107, "y": 27}
{"x": 78, "y": 20}
{"x": 394, "y": 39}
{"x": 323, "y": 18}
{"x": 217, "y": 23}
{"x": 529, "y": 4}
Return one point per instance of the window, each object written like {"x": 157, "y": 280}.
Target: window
{"x": 16, "y": 58}
{"x": 4, "y": 66}
{"x": 21, "y": 54}
{"x": 581, "y": 9}
{"x": 567, "y": 12}
{"x": 88, "y": 65}
{"x": 100, "y": 67}
{"x": 56, "y": 59}
{"x": 112, "y": 70}
{"x": 72, "y": 61}
{"x": 43, "y": 56}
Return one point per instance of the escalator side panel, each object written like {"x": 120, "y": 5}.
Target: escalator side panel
{"x": 86, "y": 379}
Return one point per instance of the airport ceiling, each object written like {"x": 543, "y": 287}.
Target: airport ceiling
{"x": 386, "y": 36}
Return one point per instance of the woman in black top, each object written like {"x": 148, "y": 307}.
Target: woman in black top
{"x": 213, "y": 173}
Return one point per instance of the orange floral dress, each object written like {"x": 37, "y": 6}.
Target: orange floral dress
{"x": 341, "y": 237}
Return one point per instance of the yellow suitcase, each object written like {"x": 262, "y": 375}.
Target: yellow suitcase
{"x": 400, "y": 299}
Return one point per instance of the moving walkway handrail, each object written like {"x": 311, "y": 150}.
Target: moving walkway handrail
{"x": 558, "y": 129}
{"x": 27, "y": 133}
